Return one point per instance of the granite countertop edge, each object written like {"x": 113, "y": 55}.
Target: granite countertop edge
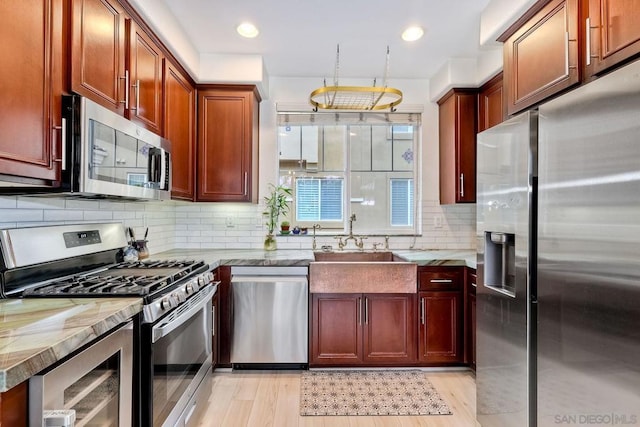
{"x": 22, "y": 367}
{"x": 294, "y": 257}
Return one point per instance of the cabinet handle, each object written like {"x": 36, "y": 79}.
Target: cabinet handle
{"x": 246, "y": 181}
{"x": 441, "y": 281}
{"x": 366, "y": 310}
{"x": 359, "y": 311}
{"x": 55, "y": 155}
{"x": 422, "y": 311}
{"x": 461, "y": 185}
{"x": 137, "y": 87}
{"x": 213, "y": 321}
{"x": 588, "y": 41}
{"x": 566, "y": 53}
{"x": 474, "y": 284}
{"x": 126, "y": 89}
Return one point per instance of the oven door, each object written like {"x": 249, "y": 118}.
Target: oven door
{"x": 179, "y": 361}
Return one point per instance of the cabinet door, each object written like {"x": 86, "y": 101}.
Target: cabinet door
{"x": 440, "y": 327}
{"x": 227, "y": 144}
{"x": 612, "y": 33}
{"x": 472, "y": 331}
{"x": 223, "y": 274}
{"x": 31, "y": 79}
{"x": 389, "y": 328}
{"x": 457, "y": 135}
{"x": 98, "y": 52}
{"x": 179, "y": 128}
{"x": 145, "y": 68}
{"x": 336, "y": 329}
{"x": 14, "y": 406}
{"x": 491, "y": 109}
{"x": 541, "y": 57}
{"x": 470, "y": 318}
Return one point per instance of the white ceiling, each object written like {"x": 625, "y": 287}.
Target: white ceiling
{"x": 298, "y": 38}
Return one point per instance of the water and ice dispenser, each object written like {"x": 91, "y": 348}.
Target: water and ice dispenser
{"x": 500, "y": 262}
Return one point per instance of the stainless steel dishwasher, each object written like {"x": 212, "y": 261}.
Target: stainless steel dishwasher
{"x": 270, "y": 307}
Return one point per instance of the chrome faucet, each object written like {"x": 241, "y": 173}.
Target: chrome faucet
{"x": 350, "y": 236}
{"x": 315, "y": 226}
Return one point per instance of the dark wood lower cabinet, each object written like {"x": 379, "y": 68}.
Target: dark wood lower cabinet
{"x": 362, "y": 329}
{"x": 336, "y": 332}
{"x": 389, "y": 329}
{"x": 440, "y": 331}
{"x": 215, "y": 328}
{"x": 223, "y": 274}
{"x": 472, "y": 331}
{"x": 14, "y": 406}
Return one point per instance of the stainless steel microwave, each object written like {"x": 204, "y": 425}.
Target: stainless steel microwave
{"x": 108, "y": 155}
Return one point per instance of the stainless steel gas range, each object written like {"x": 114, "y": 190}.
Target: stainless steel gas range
{"x": 172, "y": 339}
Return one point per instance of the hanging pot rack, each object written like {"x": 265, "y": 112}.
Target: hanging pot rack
{"x": 360, "y": 98}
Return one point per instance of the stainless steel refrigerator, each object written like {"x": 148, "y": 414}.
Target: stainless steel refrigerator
{"x": 558, "y": 229}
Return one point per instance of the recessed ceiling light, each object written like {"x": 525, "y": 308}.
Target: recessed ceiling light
{"x": 412, "y": 34}
{"x": 248, "y": 30}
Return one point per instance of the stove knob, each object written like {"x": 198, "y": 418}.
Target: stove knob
{"x": 201, "y": 281}
{"x": 195, "y": 285}
{"x": 166, "y": 303}
{"x": 188, "y": 289}
{"x": 178, "y": 297}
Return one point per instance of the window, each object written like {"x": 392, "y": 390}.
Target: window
{"x": 401, "y": 202}
{"x": 319, "y": 199}
{"x": 340, "y": 164}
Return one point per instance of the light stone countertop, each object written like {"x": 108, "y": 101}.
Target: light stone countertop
{"x": 292, "y": 257}
{"x": 35, "y": 333}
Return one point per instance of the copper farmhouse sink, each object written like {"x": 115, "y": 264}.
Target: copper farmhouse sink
{"x": 361, "y": 272}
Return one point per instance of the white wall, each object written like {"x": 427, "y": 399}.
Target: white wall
{"x": 21, "y": 211}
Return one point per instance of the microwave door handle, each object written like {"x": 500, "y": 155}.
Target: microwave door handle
{"x": 164, "y": 329}
{"x": 164, "y": 158}
{"x": 152, "y": 165}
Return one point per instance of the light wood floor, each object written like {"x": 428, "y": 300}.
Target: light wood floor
{"x": 271, "y": 398}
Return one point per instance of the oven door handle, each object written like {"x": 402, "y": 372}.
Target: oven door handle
{"x": 183, "y": 313}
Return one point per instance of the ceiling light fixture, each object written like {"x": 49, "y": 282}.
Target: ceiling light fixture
{"x": 360, "y": 98}
{"x": 412, "y": 34}
{"x": 248, "y": 30}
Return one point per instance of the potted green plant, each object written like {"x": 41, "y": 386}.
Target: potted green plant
{"x": 284, "y": 227}
{"x": 276, "y": 203}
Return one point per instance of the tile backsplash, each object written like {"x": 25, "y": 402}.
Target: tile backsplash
{"x": 177, "y": 225}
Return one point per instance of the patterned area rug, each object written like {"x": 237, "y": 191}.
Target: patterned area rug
{"x": 406, "y": 392}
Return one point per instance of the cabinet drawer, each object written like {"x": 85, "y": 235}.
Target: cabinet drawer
{"x": 440, "y": 279}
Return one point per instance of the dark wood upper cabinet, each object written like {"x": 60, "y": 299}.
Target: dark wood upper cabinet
{"x": 145, "y": 85}
{"x": 612, "y": 33}
{"x": 98, "y": 49}
{"x": 457, "y": 135}
{"x": 227, "y": 164}
{"x": 541, "y": 54}
{"x": 180, "y": 129}
{"x": 31, "y": 83}
{"x": 491, "y": 107}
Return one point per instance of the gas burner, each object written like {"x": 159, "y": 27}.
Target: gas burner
{"x": 156, "y": 264}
